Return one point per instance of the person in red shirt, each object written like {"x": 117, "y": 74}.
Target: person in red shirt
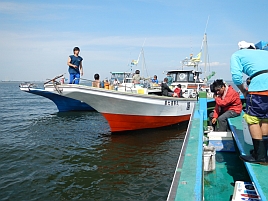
{"x": 178, "y": 91}
{"x": 228, "y": 104}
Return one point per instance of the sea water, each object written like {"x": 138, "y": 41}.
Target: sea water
{"x": 45, "y": 155}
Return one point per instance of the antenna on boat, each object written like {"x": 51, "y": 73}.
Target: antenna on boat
{"x": 204, "y": 43}
{"x": 141, "y": 50}
{"x": 194, "y": 61}
{"x": 135, "y": 62}
{"x": 206, "y": 25}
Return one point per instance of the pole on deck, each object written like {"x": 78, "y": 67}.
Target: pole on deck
{"x": 203, "y": 106}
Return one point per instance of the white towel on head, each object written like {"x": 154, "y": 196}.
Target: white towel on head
{"x": 245, "y": 45}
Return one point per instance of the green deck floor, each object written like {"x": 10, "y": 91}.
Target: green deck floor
{"x": 219, "y": 184}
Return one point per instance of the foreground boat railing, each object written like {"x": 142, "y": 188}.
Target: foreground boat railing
{"x": 82, "y": 79}
{"x": 187, "y": 182}
{"x": 54, "y": 79}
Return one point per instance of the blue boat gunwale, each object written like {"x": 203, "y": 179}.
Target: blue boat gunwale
{"x": 195, "y": 132}
{"x": 177, "y": 174}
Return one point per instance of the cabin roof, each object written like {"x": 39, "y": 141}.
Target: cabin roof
{"x": 183, "y": 71}
{"x": 120, "y": 72}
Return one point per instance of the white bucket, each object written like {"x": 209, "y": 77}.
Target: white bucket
{"x": 209, "y": 161}
{"x": 247, "y": 136}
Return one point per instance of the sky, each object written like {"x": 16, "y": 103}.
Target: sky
{"x": 36, "y": 37}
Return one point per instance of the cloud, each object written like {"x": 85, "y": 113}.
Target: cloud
{"x": 62, "y": 40}
{"x": 213, "y": 64}
{"x": 41, "y": 11}
{"x": 11, "y": 7}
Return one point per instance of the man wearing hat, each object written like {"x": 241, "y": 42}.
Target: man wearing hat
{"x": 254, "y": 63}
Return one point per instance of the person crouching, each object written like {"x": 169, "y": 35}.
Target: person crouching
{"x": 228, "y": 105}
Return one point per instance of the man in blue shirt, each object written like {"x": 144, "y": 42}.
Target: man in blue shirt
{"x": 249, "y": 60}
{"x": 75, "y": 66}
{"x": 154, "y": 80}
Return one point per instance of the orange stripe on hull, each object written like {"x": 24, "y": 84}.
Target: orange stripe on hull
{"x": 122, "y": 122}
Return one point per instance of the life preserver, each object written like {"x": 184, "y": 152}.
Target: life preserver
{"x": 182, "y": 76}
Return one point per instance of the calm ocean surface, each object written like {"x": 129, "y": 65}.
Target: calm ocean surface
{"x": 45, "y": 155}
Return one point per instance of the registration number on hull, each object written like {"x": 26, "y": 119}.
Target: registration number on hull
{"x": 176, "y": 103}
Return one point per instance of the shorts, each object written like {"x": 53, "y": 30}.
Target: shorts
{"x": 256, "y": 109}
{"x": 254, "y": 120}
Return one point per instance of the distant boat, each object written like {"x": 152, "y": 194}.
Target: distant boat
{"x": 189, "y": 76}
{"x": 63, "y": 104}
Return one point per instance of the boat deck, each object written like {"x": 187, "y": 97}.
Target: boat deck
{"x": 219, "y": 184}
{"x": 257, "y": 173}
{"x": 190, "y": 182}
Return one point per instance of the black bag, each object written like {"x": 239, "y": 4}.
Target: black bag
{"x": 254, "y": 75}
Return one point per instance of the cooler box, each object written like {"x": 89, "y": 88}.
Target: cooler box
{"x": 222, "y": 141}
{"x": 245, "y": 191}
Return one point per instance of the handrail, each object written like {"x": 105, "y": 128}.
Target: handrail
{"x": 53, "y": 80}
{"x": 81, "y": 79}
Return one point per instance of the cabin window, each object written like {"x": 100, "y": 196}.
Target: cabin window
{"x": 191, "y": 77}
{"x": 181, "y": 77}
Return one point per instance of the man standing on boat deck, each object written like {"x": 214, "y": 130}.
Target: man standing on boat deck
{"x": 75, "y": 66}
{"x": 228, "y": 104}
{"x": 253, "y": 63}
{"x": 136, "y": 77}
{"x": 170, "y": 79}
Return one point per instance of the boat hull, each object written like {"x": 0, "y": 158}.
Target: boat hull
{"x": 123, "y": 122}
{"x": 64, "y": 104}
{"x": 126, "y": 111}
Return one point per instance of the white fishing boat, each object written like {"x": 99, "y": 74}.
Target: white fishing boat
{"x": 189, "y": 77}
{"x": 128, "y": 111}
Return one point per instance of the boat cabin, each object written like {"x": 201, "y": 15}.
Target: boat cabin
{"x": 120, "y": 76}
{"x": 190, "y": 81}
{"x": 187, "y": 76}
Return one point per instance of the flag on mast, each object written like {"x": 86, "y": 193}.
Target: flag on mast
{"x": 134, "y": 62}
{"x": 197, "y": 58}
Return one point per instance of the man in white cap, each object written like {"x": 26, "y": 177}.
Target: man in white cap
{"x": 253, "y": 63}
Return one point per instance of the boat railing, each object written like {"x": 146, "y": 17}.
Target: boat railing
{"x": 54, "y": 79}
{"x": 82, "y": 79}
{"x": 27, "y": 85}
{"x": 188, "y": 180}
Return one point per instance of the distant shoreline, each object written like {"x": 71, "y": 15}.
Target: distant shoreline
{"x": 17, "y": 81}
